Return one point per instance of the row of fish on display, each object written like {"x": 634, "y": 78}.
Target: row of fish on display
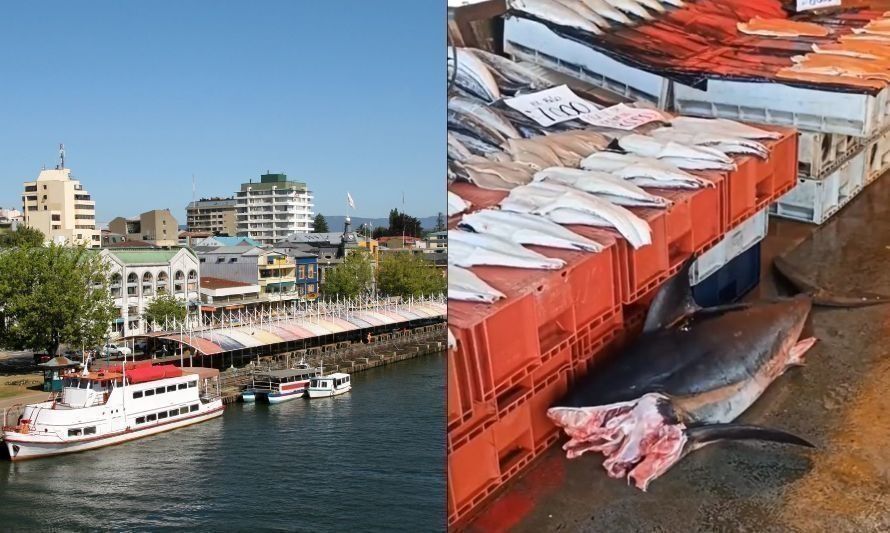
{"x": 755, "y": 39}
{"x": 571, "y": 174}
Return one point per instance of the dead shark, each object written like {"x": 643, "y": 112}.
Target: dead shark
{"x": 683, "y": 382}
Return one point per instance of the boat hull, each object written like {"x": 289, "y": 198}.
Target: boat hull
{"x": 21, "y": 447}
{"x": 248, "y": 396}
{"x": 327, "y": 393}
{"x": 278, "y": 397}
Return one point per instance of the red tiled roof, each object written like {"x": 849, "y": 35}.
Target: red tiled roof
{"x": 208, "y": 282}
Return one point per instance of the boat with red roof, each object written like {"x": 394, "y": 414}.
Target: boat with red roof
{"x": 116, "y": 404}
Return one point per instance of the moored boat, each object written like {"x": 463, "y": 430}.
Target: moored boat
{"x": 276, "y": 386}
{"x": 114, "y": 405}
{"x": 329, "y": 385}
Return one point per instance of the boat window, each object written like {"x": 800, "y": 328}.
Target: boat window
{"x": 162, "y": 415}
{"x": 84, "y": 384}
{"x": 90, "y": 430}
{"x": 150, "y": 418}
{"x": 183, "y": 386}
{"x": 193, "y": 383}
{"x": 98, "y": 386}
{"x": 137, "y": 394}
{"x": 183, "y": 410}
{"x": 174, "y": 412}
{"x": 193, "y": 407}
{"x": 171, "y": 388}
{"x": 140, "y": 420}
{"x": 74, "y": 432}
{"x": 150, "y": 392}
{"x": 159, "y": 390}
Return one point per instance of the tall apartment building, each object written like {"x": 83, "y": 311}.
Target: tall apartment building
{"x": 157, "y": 226}
{"x": 273, "y": 209}
{"x": 216, "y": 215}
{"x": 60, "y": 208}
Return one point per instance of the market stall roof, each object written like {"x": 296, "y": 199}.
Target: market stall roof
{"x": 59, "y": 362}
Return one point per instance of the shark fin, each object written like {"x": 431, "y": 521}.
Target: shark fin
{"x": 821, "y": 296}
{"x": 699, "y": 436}
{"x": 672, "y": 302}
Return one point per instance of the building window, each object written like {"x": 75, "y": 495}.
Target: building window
{"x": 310, "y": 271}
{"x": 56, "y": 218}
{"x": 44, "y": 197}
{"x": 302, "y": 272}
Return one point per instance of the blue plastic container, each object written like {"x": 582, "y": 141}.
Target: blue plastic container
{"x": 732, "y": 282}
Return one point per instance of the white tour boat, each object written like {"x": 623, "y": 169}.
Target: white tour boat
{"x": 276, "y": 386}
{"x": 114, "y": 405}
{"x": 330, "y": 385}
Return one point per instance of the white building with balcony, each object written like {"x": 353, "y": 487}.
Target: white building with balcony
{"x": 273, "y": 208}
{"x": 138, "y": 275}
{"x": 60, "y": 208}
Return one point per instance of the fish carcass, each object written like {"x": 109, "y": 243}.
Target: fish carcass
{"x": 721, "y": 126}
{"x": 466, "y": 249}
{"x": 456, "y": 204}
{"x": 606, "y": 186}
{"x": 466, "y": 286}
{"x": 524, "y": 228}
{"x": 573, "y": 146}
{"x": 643, "y": 171}
{"x": 566, "y": 205}
{"x": 456, "y": 149}
{"x": 516, "y": 73}
{"x": 488, "y": 115}
{"x": 683, "y": 382}
{"x": 536, "y": 155}
{"x": 497, "y": 175}
{"x": 472, "y": 75}
{"x": 474, "y": 126}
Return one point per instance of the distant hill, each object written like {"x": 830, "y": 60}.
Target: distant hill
{"x": 335, "y": 222}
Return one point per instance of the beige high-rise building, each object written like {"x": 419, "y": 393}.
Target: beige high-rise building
{"x": 61, "y": 208}
{"x": 216, "y": 215}
{"x": 157, "y": 226}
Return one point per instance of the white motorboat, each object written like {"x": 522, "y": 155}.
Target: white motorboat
{"x": 329, "y": 385}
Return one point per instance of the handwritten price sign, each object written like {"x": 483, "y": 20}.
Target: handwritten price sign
{"x": 622, "y": 117}
{"x": 805, "y": 5}
{"x": 551, "y": 106}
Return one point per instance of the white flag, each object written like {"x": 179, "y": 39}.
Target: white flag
{"x": 349, "y": 200}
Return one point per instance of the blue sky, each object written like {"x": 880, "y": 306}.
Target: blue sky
{"x": 343, "y": 95}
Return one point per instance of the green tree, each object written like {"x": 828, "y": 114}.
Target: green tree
{"x": 406, "y": 274}
{"x": 440, "y": 222}
{"x": 23, "y": 236}
{"x": 320, "y": 225}
{"x": 350, "y": 278}
{"x": 51, "y": 295}
{"x": 165, "y": 306}
{"x": 400, "y": 223}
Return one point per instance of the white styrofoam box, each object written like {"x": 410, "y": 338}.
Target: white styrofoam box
{"x": 533, "y": 41}
{"x": 818, "y": 154}
{"x": 878, "y": 154}
{"x": 815, "y": 201}
{"x": 734, "y": 243}
{"x": 855, "y": 114}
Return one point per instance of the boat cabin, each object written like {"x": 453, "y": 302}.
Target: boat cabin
{"x": 79, "y": 390}
{"x": 330, "y": 382}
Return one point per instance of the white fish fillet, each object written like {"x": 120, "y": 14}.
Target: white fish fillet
{"x": 466, "y": 286}
{"x": 722, "y": 125}
{"x": 654, "y": 5}
{"x": 675, "y": 3}
{"x": 719, "y": 141}
{"x": 554, "y": 12}
{"x": 607, "y": 186}
{"x": 511, "y": 172}
{"x": 456, "y": 204}
{"x": 527, "y": 229}
{"x": 487, "y": 180}
{"x": 466, "y": 249}
{"x": 629, "y": 6}
{"x": 538, "y": 198}
{"x": 572, "y": 146}
{"x": 533, "y": 153}
{"x": 487, "y": 115}
{"x": 643, "y": 171}
{"x": 606, "y": 10}
{"x": 469, "y": 63}
{"x": 647, "y": 146}
{"x": 456, "y": 149}
{"x": 579, "y": 7}
{"x": 697, "y": 164}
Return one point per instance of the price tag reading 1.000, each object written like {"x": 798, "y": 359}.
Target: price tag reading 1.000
{"x": 551, "y": 106}
{"x": 805, "y": 5}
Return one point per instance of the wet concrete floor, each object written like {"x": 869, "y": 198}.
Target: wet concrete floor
{"x": 840, "y": 401}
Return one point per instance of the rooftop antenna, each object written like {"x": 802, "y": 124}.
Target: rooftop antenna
{"x": 193, "y": 189}
{"x": 61, "y": 155}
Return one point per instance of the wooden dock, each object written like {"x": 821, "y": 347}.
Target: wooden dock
{"x": 342, "y": 357}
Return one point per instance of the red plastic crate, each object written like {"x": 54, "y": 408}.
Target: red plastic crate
{"x": 784, "y": 155}
{"x": 514, "y": 440}
{"x": 492, "y": 340}
{"x": 741, "y": 192}
{"x": 642, "y": 269}
{"x": 473, "y": 473}
{"x": 466, "y": 407}
{"x": 479, "y": 198}
{"x": 546, "y": 394}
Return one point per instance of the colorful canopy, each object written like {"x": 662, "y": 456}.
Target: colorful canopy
{"x": 219, "y": 340}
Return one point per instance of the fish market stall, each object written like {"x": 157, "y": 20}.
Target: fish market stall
{"x": 561, "y": 230}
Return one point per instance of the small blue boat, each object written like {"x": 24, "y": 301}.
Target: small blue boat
{"x": 248, "y": 396}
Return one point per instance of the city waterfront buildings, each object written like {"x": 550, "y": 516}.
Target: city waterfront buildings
{"x": 273, "y": 208}
{"x": 138, "y": 275}
{"x": 214, "y": 215}
{"x": 329, "y": 248}
{"x": 60, "y": 208}
{"x": 157, "y": 226}
{"x": 273, "y": 272}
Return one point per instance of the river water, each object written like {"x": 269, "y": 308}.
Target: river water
{"x": 369, "y": 460}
